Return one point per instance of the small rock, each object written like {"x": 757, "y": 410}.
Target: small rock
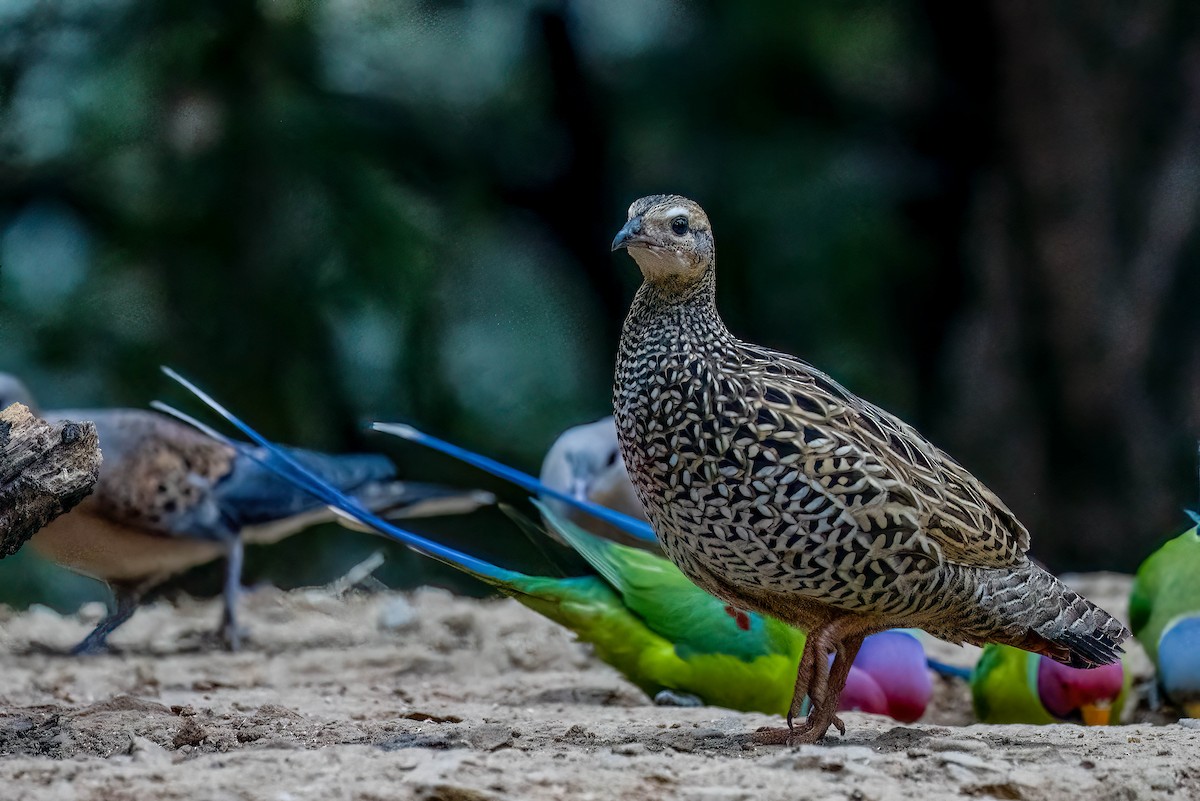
{"x": 578, "y": 732}
{"x": 91, "y": 612}
{"x": 437, "y": 740}
{"x": 397, "y": 614}
{"x": 681, "y": 741}
{"x": 965, "y": 760}
{"x": 1191, "y": 723}
{"x": 707, "y": 733}
{"x": 148, "y": 752}
{"x": 490, "y": 736}
{"x": 806, "y": 757}
{"x": 190, "y": 733}
{"x": 630, "y": 749}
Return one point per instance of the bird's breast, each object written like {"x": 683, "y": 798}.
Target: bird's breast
{"x": 744, "y": 495}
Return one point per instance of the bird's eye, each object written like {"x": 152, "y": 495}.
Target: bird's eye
{"x": 679, "y": 226}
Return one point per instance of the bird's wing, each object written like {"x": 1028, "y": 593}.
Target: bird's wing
{"x": 158, "y": 475}
{"x": 881, "y": 472}
{"x": 669, "y": 604}
{"x": 252, "y": 494}
{"x": 165, "y": 477}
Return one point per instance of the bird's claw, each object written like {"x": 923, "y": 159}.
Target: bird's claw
{"x": 91, "y": 646}
{"x": 772, "y": 735}
{"x": 231, "y": 636}
{"x": 809, "y": 732}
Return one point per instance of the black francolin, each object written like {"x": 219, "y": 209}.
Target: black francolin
{"x": 779, "y": 491}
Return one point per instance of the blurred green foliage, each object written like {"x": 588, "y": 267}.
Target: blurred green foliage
{"x": 332, "y": 211}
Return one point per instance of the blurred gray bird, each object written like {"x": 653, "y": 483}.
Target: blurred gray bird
{"x": 585, "y": 462}
{"x": 170, "y": 498}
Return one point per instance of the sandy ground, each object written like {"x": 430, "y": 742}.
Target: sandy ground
{"x": 367, "y": 697}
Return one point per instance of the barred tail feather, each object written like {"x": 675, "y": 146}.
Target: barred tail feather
{"x": 1039, "y": 613}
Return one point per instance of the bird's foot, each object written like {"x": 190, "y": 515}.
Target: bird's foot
{"x": 772, "y": 735}
{"x": 91, "y": 645}
{"x": 231, "y": 635}
{"x": 812, "y": 730}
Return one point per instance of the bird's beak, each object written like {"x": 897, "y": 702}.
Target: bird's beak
{"x": 1096, "y": 714}
{"x": 579, "y": 488}
{"x": 628, "y": 234}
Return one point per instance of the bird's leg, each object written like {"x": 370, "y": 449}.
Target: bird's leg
{"x": 229, "y": 631}
{"x": 815, "y": 652}
{"x": 125, "y": 602}
{"x": 826, "y": 691}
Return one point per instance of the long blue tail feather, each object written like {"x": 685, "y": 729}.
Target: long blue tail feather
{"x": 635, "y": 527}
{"x": 952, "y": 671}
{"x": 288, "y": 468}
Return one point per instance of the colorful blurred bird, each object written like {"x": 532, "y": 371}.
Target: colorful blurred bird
{"x": 1009, "y": 685}
{"x": 1164, "y": 612}
{"x": 170, "y": 498}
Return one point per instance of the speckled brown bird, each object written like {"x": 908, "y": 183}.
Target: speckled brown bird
{"x": 778, "y": 490}
{"x": 170, "y": 498}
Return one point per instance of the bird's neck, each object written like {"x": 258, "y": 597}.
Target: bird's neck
{"x": 663, "y": 310}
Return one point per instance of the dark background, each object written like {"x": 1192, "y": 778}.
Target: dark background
{"x": 982, "y": 216}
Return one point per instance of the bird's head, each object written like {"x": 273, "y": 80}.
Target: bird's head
{"x": 13, "y": 391}
{"x": 580, "y": 456}
{"x": 1179, "y": 663}
{"x": 671, "y": 240}
{"x": 1089, "y": 693}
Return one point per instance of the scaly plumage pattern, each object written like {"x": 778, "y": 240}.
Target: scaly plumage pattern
{"x": 776, "y": 489}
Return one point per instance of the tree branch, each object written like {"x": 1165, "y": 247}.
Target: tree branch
{"x": 45, "y": 469}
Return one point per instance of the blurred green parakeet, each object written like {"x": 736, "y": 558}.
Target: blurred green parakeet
{"x": 1164, "y": 613}
{"x": 1009, "y": 685}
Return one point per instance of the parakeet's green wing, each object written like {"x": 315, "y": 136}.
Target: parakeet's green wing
{"x": 1167, "y": 585}
{"x": 672, "y": 606}
{"x": 591, "y": 608}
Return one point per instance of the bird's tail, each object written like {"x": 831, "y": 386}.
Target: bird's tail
{"x": 1055, "y": 621}
{"x": 401, "y": 500}
{"x": 370, "y": 479}
{"x": 638, "y": 529}
{"x": 260, "y": 496}
{"x": 284, "y": 463}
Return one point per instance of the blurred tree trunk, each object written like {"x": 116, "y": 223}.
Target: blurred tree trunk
{"x": 1081, "y": 252}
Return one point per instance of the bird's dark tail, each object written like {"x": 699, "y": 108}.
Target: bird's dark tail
{"x": 1041, "y": 614}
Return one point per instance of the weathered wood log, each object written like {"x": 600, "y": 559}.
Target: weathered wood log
{"x": 45, "y": 469}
